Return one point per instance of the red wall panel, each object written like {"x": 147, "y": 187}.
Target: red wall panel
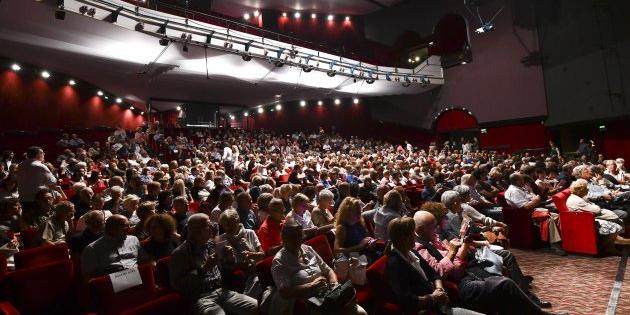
{"x": 515, "y": 137}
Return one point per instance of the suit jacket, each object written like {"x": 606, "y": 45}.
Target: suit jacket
{"x": 406, "y": 282}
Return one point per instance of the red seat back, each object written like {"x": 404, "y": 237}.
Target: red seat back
{"x": 45, "y": 289}
{"x": 379, "y": 288}
{"x": 523, "y": 233}
{"x": 560, "y": 200}
{"x": 263, "y": 269}
{"x": 579, "y": 234}
{"x": 501, "y": 200}
{"x": 41, "y": 255}
{"x": 165, "y": 305}
{"x": 105, "y": 301}
{"x": 322, "y": 247}
{"x": 28, "y": 237}
{"x": 3, "y": 266}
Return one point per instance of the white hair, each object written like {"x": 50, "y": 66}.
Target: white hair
{"x": 449, "y": 197}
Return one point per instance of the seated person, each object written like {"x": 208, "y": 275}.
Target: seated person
{"x": 114, "y": 251}
{"x": 299, "y": 272}
{"x": 607, "y": 222}
{"x": 472, "y": 214}
{"x": 163, "y": 238}
{"x": 518, "y": 197}
{"x": 145, "y": 210}
{"x": 414, "y": 284}
{"x": 165, "y": 202}
{"x": 269, "y": 232}
{"x": 94, "y": 223}
{"x": 239, "y": 248}
{"x": 476, "y": 199}
{"x": 431, "y": 192}
{"x": 350, "y": 232}
{"x": 300, "y": 212}
{"x": 181, "y": 214}
{"x": 58, "y": 227}
{"x": 41, "y": 210}
{"x": 321, "y": 214}
{"x": 392, "y": 209}
{"x": 244, "y": 207}
{"x": 479, "y": 290}
{"x": 194, "y": 273}
{"x": 226, "y": 199}
{"x": 10, "y": 213}
{"x": 96, "y": 204}
{"x": 263, "y": 206}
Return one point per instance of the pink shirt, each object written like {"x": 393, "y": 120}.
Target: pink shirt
{"x": 450, "y": 270}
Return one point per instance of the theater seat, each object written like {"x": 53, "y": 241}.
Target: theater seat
{"x": 41, "y": 255}
{"x": 523, "y": 232}
{"x": 322, "y": 247}
{"x": 162, "y": 277}
{"x": 579, "y": 234}
{"x": 105, "y": 302}
{"x": 28, "y": 237}
{"x": 165, "y": 305}
{"x": 3, "y": 266}
{"x": 45, "y": 289}
{"x": 263, "y": 270}
{"x": 379, "y": 291}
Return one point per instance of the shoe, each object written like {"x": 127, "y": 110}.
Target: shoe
{"x": 558, "y": 250}
{"x": 529, "y": 279}
{"x": 538, "y": 301}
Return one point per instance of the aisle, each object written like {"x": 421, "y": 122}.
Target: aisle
{"x": 577, "y": 284}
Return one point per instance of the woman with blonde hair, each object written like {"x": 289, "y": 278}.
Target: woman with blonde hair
{"x": 350, "y": 232}
{"x": 179, "y": 189}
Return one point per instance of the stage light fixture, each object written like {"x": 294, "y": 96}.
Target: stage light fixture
{"x": 284, "y": 14}
{"x": 83, "y": 9}
{"x": 387, "y": 77}
{"x": 245, "y": 114}
{"x": 60, "y": 13}
{"x": 431, "y": 43}
{"x": 355, "y": 100}
{"x": 331, "y": 73}
{"x": 464, "y": 62}
{"x": 417, "y": 59}
{"x": 139, "y": 27}
{"x": 118, "y": 100}
{"x": 185, "y": 48}
{"x": 99, "y": 93}
{"x": 162, "y": 28}
{"x": 261, "y": 110}
{"x": 91, "y": 12}
{"x": 72, "y": 82}
{"x": 232, "y": 117}
{"x": 179, "y": 108}
{"x": 113, "y": 17}
{"x": 164, "y": 41}
{"x": 247, "y": 57}
{"x": 106, "y": 97}
{"x": 297, "y": 15}
{"x": 279, "y": 63}
{"x": 302, "y": 103}
{"x": 331, "y": 17}
{"x": 337, "y": 101}
{"x": 313, "y": 16}
{"x": 256, "y": 13}
{"x": 141, "y": 113}
{"x": 347, "y": 18}
{"x": 279, "y": 107}
{"x": 320, "y": 103}
{"x": 247, "y": 45}
{"x": 246, "y": 16}
{"x": 45, "y": 74}
{"x": 131, "y": 108}
{"x": 16, "y": 67}
{"x": 209, "y": 37}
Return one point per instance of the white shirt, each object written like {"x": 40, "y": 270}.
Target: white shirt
{"x": 304, "y": 220}
{"x": 31, "y": 176}
{"x": 227, "y": 154}
{"x": 81, "y": 225}
{"x": 517, "y": 197}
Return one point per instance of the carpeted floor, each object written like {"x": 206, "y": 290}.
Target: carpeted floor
{"x": 577, "y": 284}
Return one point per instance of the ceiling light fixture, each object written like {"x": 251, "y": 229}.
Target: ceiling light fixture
{"x": 330, "y": 17}
{"x": 118, "y": 100}
{"x": 284, "y": 14}
{"x": 297, "y": 15}
{"x": 72, "y": 82}
{"x": 16, "y": 67}
{"x": 99, "y": 93}
{"x": 60, "y": 13}
{"x": 278, "y": 107}
{"x": 261, "y": 110}
{"x": 45, "y": 74}
{"x": 337, "y": 101}
{"x": 246, "y": 16}
{"x": 320, "y": 103}
{"x": 256, "y": 13}
{"x": 347, "y": 19}
{"x": 245, "y": 114}
{"x": 302, "y": 103}
{"x": 313, "y": 16}
{"x": 131, "y": 108}
{"x": 355, "y": 100}
{"x": 179, "y": 108}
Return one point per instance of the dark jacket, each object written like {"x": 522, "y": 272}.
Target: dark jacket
{"x": 406, "y": 283}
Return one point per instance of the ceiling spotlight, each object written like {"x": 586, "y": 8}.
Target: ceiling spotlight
{"x": 307, "y": 68}
{"x": 409, "y": 60}
{"x": 185, "y": 48}
{"x": 347, "y": 18}
{"x": 355, "y": 100}
{"x": 313, "y": 16}
{"x": 485, "y": 28}
{"x": 330, "y": 17}
{"x": 279, "y": 63}
{"x": 284, "y": 14}
{"x": 246, "y": 16}
{"x": 91, "y": 12}
{"x": 232, "y": 117}
{"x": 464, "y": 62}
{"x": 246, "y": 113}
{"x": 16, "y": 67}
{"x": 164, "y": 41}
{"x": 83, "y": 9}
{"x": 278, "y": 107}
{"x": 72, "y": 82}
{"x": 331, "y": 73}
{"x": 106, "y": 97}
{"x": 99, "y": 93}
{"x": 179, "y": 108}
{"x": 302, "y": 103}
{"x": 431, "y": 43}
{"x": 118, "y": 100}
{"x": 297, "y": 15}
{"x": 417, "y": 58}
{"x": 256, "y": 13}
{"x": 60, "y": 13}
{"x": 139, "y": 27}
{"x": 337, "y": 101}
{"x": 141, "y": 113}
{"x": 247, "y": 57}
{"x": 261, "y": 110}
{"x": 45, "y": 74}
{"x": 162, "y": 28}
{"x": 369, "y": 80}
{"x": 131, "y": 108}
{"x": 320, "y": 103}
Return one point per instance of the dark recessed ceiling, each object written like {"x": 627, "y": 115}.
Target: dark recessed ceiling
{"x": 351, "y": 7}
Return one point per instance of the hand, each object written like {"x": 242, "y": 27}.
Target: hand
{"x": 607, "y": 197}
{"x": 454, "y": 244}
{"x": 365, "y": 241}
{"x": 439, "y": 297}
{"x": 368, "y": 206}
{"x": 318, "y": 283}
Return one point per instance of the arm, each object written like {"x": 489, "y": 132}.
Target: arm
{"x": 340, "y": 237}
{"x": 184, "y": 279}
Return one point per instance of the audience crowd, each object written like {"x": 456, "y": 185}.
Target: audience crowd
{"x": 220, "y": 202}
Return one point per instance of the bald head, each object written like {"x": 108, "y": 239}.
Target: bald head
{"x": 116, "y": 226}
{"x": 199, "y": 228}
{"x": 425, "y": 225}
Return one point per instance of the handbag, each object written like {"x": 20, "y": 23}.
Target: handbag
{"x": 334, "y": 299}
{"x": 486, "y": 264}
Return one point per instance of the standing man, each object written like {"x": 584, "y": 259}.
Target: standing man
{"x": 32, "y": 175}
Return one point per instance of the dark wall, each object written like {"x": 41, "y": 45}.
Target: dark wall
{"x": 586, "y": 45}
{"x": 31, "y": 103}
{"x": 495, "y": 86}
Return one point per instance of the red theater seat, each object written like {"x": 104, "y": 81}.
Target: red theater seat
{"x": 523, "y": 233}
{"x": 322, "y": 247}
{"x": 579, "y": 234}
{"x": 166, "y": 305}
{"x": 104, "y": 301}
{"x": 3, "y": 266}
{"x": 28, "y": 237}
{"x": 379, "y": 291}
{"x": 41, "y": 255}
{"x": 263, "y": 270}
{"x": 162, "y": 277}
{"x": 45, "y": 289}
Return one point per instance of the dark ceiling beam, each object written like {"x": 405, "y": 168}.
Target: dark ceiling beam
{"x": 376, "y": 3}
